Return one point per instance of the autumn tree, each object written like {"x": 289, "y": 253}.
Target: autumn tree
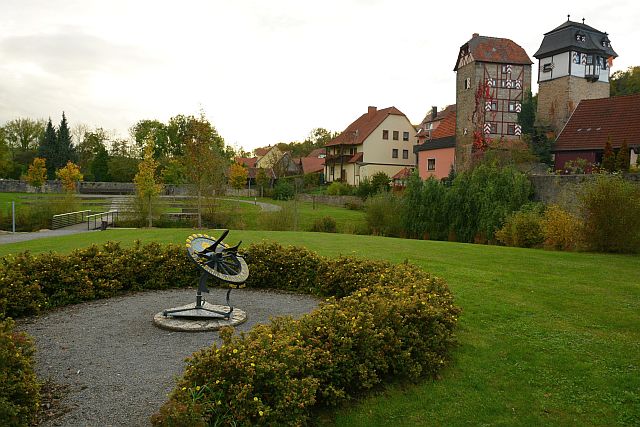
{"x": 609, "y": 157}
{"x": 147, "y": 188}
{"x": 24, "y": 133}
{"x": 69, "y": 175}
{"x": 238, "y": 175}
{"x": 204, "y": 159}
{"x": 37, "y": 173}
{"x": 625, "y": 82}
{"x": 623, "y": 158}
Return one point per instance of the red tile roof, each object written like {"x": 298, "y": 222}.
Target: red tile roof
{"x": 260, "y": 152}
{"x": 356, "y": 157}
{"x": 493, "y": 49}
{"x": 317, "y": 152}
{"x": 595, "y": 120}
{"x": 404, "y": 173}
{"x": 247, "y": 161}
{"x": 312, "y": 164}
{"x": 360, "y": 130}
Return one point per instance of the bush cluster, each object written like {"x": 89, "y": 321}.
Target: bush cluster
{"x": 610, "y": 207}
{"x": 325, "y": 224}
{"x": 523, "y": 228}
{"x": 337, "y": 188}
{"x": 382, "y": 321}
{"x": 19, "y": 394}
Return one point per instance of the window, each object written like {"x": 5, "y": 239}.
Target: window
{"x": 352, "y": 150}
{"x": 491, "y": 127}
{"x": 508, "y": 84}
{"x": 506, "y": 69}
{"x": 514, "y": 107}
{"x": 511, "y": 128}
{"x": 589, "y": 59}
{"x": 467, "y": 83}
{"x": 576, "y": 58}
{"x": 396, "y": 135}
{"x": 405, "y": 136}
{"x": 332, "y": 170}
{"x": 385, "y": 134}
{"x": 491, "y": 82}
{"x": 492, "y": 105}
{"x": 546, "y": 68}
{"x": 394, "y": 153}
{"x": 431, "y": 164}
{"x": 405, "y": 154}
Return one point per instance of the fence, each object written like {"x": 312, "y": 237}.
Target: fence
{"x": 101, "y": 220}
{"x": 69, "y": 218}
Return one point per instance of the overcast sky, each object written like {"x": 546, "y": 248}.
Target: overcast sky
{"x": 263, "y": 71}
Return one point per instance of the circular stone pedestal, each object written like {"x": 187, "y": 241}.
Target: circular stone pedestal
{"x": 199, "y": 324}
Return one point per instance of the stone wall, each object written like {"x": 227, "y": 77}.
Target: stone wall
{"x": 330, "y": 200}
{"x": 563, "y": 189}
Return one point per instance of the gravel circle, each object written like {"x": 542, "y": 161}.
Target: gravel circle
{"x": 119, "y": 366}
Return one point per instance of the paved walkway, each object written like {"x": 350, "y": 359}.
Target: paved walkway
{"x": 6, "y": 237}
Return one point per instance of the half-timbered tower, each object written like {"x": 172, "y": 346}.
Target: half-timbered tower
{"x": 492, "y": 77}
{"x": 573, "y": 64}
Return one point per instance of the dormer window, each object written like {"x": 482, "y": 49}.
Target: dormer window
{"x": 581, "y": 37}
{"x": 606, "y": 42}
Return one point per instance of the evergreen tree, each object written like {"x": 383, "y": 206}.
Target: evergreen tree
{"x": 100, "y": 164}
{"x": 47, "y": 149}
{"x": 65, "y": 147}
{"x": 623, "y": 158}
{"x": 608, "y": 158}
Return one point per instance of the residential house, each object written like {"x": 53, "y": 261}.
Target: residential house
{"x": 492, "y": 77}
{"x": 592, "y": 123}
{"x": 267, "y": 157}
{"x": 574, "y": 61}
{"x": 378, "y": 141}
{"x": 436, "y": 149}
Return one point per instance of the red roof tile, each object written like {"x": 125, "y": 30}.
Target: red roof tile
{"x": 493, "y": 49}
{"x": 247, "y": 161}
{"x": 262, "y": 151}
{"x": 595, "y": 120}
{"x": 356, "y": 157}
{"x": 360, "y": 130}
{"x": 317, "y": 152}
{"x": 312, "y": 164}
{"x": 404, "y": 173}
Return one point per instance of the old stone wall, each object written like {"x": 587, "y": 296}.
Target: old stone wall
{"x": 563, "y": 189}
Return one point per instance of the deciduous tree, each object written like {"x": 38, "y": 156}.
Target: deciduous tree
{"x": 626, "y": 82}
{"x": 238, "y": 175}
{"x": 69, "y": 175}
{"x": 262, "y": 180}
{"x": 147, "y": 187}
{"x": 24, "y": 133}
{"x": 37, "y": 173}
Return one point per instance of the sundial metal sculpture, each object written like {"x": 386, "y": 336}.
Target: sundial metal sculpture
{"x": 214, "y": 259}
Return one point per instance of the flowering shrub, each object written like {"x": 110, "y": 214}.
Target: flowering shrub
{"x": 19, "y": 394}
{"x": 392, "y": 321}
{"x": 561, "y": 229}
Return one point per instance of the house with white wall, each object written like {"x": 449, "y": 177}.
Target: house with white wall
{"x": 378, "y": 141}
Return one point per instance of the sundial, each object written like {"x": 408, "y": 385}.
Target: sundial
{"x": 215, "y": 259}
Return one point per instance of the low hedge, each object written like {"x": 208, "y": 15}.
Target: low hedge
{"x": 383, "y": 321}
{"x": 380, "y": 321}
{"x": 19, "y": 394}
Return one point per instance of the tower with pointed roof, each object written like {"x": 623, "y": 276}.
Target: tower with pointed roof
{"x": 574, "y": 60}
{"x": 492, "y": 76}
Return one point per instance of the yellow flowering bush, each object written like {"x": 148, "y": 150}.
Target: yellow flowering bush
{"x": 385, "y": 321}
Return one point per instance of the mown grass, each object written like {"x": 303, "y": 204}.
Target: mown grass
{"x": 546, "y": 338}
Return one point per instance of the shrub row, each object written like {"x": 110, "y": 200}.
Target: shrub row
{"x": 30, "y": 284}
{"x": 381, "y": 322}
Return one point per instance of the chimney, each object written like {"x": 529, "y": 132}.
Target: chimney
{"x": 372, "y": 110}
{"x": 475, "y": 35}
{"x": 434, "y": 112}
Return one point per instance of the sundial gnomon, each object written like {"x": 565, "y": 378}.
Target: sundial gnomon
{"x": 214, "y": 258}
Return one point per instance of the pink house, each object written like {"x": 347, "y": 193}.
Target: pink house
{"x": 436, "y": 147}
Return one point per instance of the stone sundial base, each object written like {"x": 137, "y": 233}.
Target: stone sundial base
{"x": 185, "y": 324}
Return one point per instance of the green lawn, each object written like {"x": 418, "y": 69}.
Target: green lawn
{"x": 546, "y": 338}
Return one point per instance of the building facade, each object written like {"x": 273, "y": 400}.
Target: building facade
{"x": 378, "y": 141}
{"x": 435, "y": 152}
{"x": 574, "y": 62}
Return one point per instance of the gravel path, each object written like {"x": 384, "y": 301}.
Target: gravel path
{"x": 118, "y": 365}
